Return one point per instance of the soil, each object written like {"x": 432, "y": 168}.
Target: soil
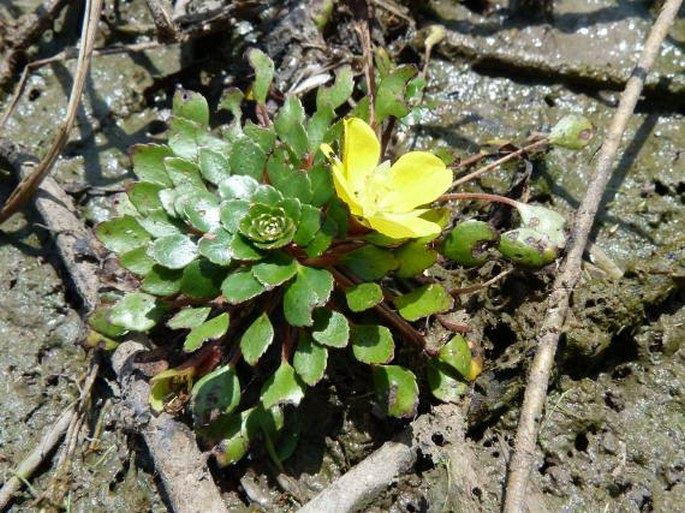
{"x": 612, "y": 435}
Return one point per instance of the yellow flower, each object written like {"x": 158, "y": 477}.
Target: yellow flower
{"x": 384, "y": 197}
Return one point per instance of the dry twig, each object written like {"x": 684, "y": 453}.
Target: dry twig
{"x": 522, "y": 459}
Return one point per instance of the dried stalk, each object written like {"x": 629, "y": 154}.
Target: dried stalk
{"x": 523, "y": 458}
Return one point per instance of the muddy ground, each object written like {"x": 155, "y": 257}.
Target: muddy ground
{"x": 613, "y": 435}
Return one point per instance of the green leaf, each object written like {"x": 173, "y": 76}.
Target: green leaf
{"x": 414, "y": 258}
{"x": 424, "y": 301}
{"x": 289, "y": 124}
{"x": 214, "y": 166}
{"x": 341, "y": 90}
{"x": 229, "y": 434}
{"x": 174, "y": 251}
{"x": 275, "y": 270}
{"x": 291, "y": 182}
{"x": 257, "y": 339}
{"x": 263, "y": 136}
{"x": 310, "y": 223}
{"x": 231, "y": 100}
{"x": 148, "y": 163}
{"x": 183, "y": 137}
{"x": 470, "y": 243}
{"x": 525, "y": 246}
{"x": 214, "y": 394}
{"x": 242, "y": 249}
{"x": 322, "y": 239}
{"x": 136, "y": 311}
{"x": 202, "y": 278}
{"x": 190, "y": 105}
{"x": 212, "y": 329}
{"x": 310, "y": 360}
{"x": 203, "y": 212}
{"x": 184, "y": 172}
{"x": 311, "y": 288}
{"x": 189, "y": 318}
{"x": 322, "y": 185}
{"x": 122, "y": 234}
{"x": 216, "y": 247}
{"x": 231, "y": 212}
{"x": 137, "y": 261}
{"x": 397, "y": 390}
{"x": 545, "y": 221}
{"x": 270, "y": 226}
{"x": 101, "y": 321}
{"x": 158, "y": 223}
{"x": 330, "y": 328}
{"x": 572, "y": 132}
{"x": 240, "y": 286}
{"x": 457, "y": 355}
{"x": 267, "y": 195}
{"x": 145, "y": 197}
{"x": 247, "y": 159}
{"x": 284, "y": 387}
{"x": 238, "y": 187}
{"x": 370, "y": 263}
{"x": 363, "y": 296}
{"x": 162, "y": 281}
{"x": 318, "y": 126}
{"x": 264, "y": 73}
{"x": 372, "y": 344}
{"x": 390, "y": 96}
{"x": 165, "y": 385}
{"x": 444, "y": 383}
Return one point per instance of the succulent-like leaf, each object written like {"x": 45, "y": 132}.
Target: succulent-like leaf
{"x": 145, "y": 197}
{"x": 337, "y": 94}
{"x": 122, "y": 234}
{"x": 189, "y": 318}
{"x": 215, "y": 394}
{"x": 330, "y": 328}
{"x": 165, "y": 385}
{"x": 525, "y": 246}
{"x": 263, "y": 67}
{"x": 370, "y": 263}
{"x": 238, "y": 187}
{"x": 202, "y": 279}
{"x": 216, "y": 247}
{"x": 214, "y": 166}
{"x": 318, "y": 126}
{"x": 203, "y": 212}
{"x": 268, "y": 227}
{"x": 257, "y": 339}
{"x": 174, "y": 251}
{"x": 212, "y": 329}
{"x": 137, "y": 261}
{"x": 545, "y": 221}
{"x": 265, "y": 137}
{"x": 275, "y": 270}
{"x": 184, "y": 172}
{"x": 470, "y": 243}
{"x": 289, "y": 124}
{"x": 572, "y": 132}
{"x": 445, "y": 383}
{"x": 158, "y": 223}
{"x": 136, "y": 311}
{"x": 148, "y": 163}
{"x": 424, "y": 301}
{"x": 291, "y": 182}
{"x": 390, "y": 96}
{"x": 231, "y": 213}
{"x": 283, "y": 387}
{"x": 190, "y": 105}
{"x": 414, "y": 258}
{"x": 310, "y": 359}
{"x": 247, "y": 158}
{"x": 100, "y": 320}
{"x": 322, "y": 185}
{"x": 363, "y": 296}
{"x": 310, "y": 288}
{"x": 309, "y": 225}
{"x": 372, "y": 344}
{"x": 397, "y": 390}
{"x": 240, "y": 286}
{"x": 457, "y": 355}
{"x": 162, "y": 281}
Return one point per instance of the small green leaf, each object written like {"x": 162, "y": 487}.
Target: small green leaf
{"x": 337, "y": 94}
{"x": 183, "y": 137}
{"x": 231, "y": 100}
{"x": 137, "y": 261}
{"x": 247, "y": 159}
{"x": 203, "y": 212}
{"x": 212, "y": 329}
{"x": 230, "y": 436}
{"x": 572, "y": 132}
{"x": 145, "y": 197}
{"x": 330, "y": 328}
{"x": 162, "y": 281}
{"x": 363, "y": 296}
{"x": 216, "y": 247}
{"x": 158, "y": 223}
{"x": 275, "y": 270}
{"x": 264, "y": 73}
{"x": 424, "y": 301}
{"x": 190, "y": 105}
{"x": 310, "y": 223}
{"x": 390, "y": 96}
{"x": 231, "y": 212}
{"x": 189, "y": 318}
{"x": 202, "y": 278}
{"x": 414, "y": 258}
{"x": 215, "y": 394}
{"x": 397, "y": 390}
{"x": 174, "y": 251}
{"x": 267, "y": 195}
{"x": 444, "y": 383}
{"x": 372, "y": 344}
{"x": 284, "y": 387}
{"x": 265, "y": 137}
{"x": 322, "y": 239}
{"x": 100, "y": 320}
{"x": 214, "y": 166}
{"x": 525, "y": 246}
{"x": 122, "y": 234}
{"x": 257, "y": 339}
{"x": 148, "y": 163}
{"x": 470, "y": 242}
{"x": 457, "y": 355}
{"x": 370, "y": 263}
{"x": 545, "y": 221}
{"x": 322, "y": 185}
{"x": 165, "y": 385}
{"x": 184, "y": 172}
{"x": 240, "y": 286}
{"x": 310, "y": 288}
{"x": 291, "y": 182}
{"x": 242, "y": 249}
{"x": 310, "y": 360}
{"x": 238, "y": 187}
{"x": 289, "y": 124}
{"x": 318, "y": 126}
{"x": 136, "y": 311}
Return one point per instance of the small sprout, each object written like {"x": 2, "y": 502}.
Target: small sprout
{"x": 268, "y": 227}
{"x": 470, "y": 243}
{"x": 572, "y": 132}
{"x": 528, "y": 247}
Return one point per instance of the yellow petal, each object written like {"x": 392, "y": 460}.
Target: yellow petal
{"x": 342, "y": 188}
{"x": 403, "y": 226}
{"x": 361, "y": 152}
{"x": 417, "y": 178}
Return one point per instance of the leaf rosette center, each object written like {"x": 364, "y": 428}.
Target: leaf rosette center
{"x": 268, "y": 227}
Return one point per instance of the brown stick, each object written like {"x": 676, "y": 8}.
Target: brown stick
{"x": 28, "y": 186}
{"x": 522, "y": 459}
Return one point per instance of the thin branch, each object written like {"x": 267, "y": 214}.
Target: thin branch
{"x": 28, "y": 186}
{"x": 522, "y": 459}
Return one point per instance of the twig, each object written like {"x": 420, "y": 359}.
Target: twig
{"x": 30, "y": 27}
{"x": 28, "y": 186}
{"x": 480, "y": 286}
{"x": 522, "y": 459}
{"x": 167, "y": 30}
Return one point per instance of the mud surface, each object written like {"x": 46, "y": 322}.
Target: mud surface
{"x": 613, "y": 435}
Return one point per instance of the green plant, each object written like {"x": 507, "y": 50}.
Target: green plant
{"x": 258, "y": 248}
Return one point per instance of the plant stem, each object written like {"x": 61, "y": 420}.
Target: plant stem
{"x": 511, "y": 156}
